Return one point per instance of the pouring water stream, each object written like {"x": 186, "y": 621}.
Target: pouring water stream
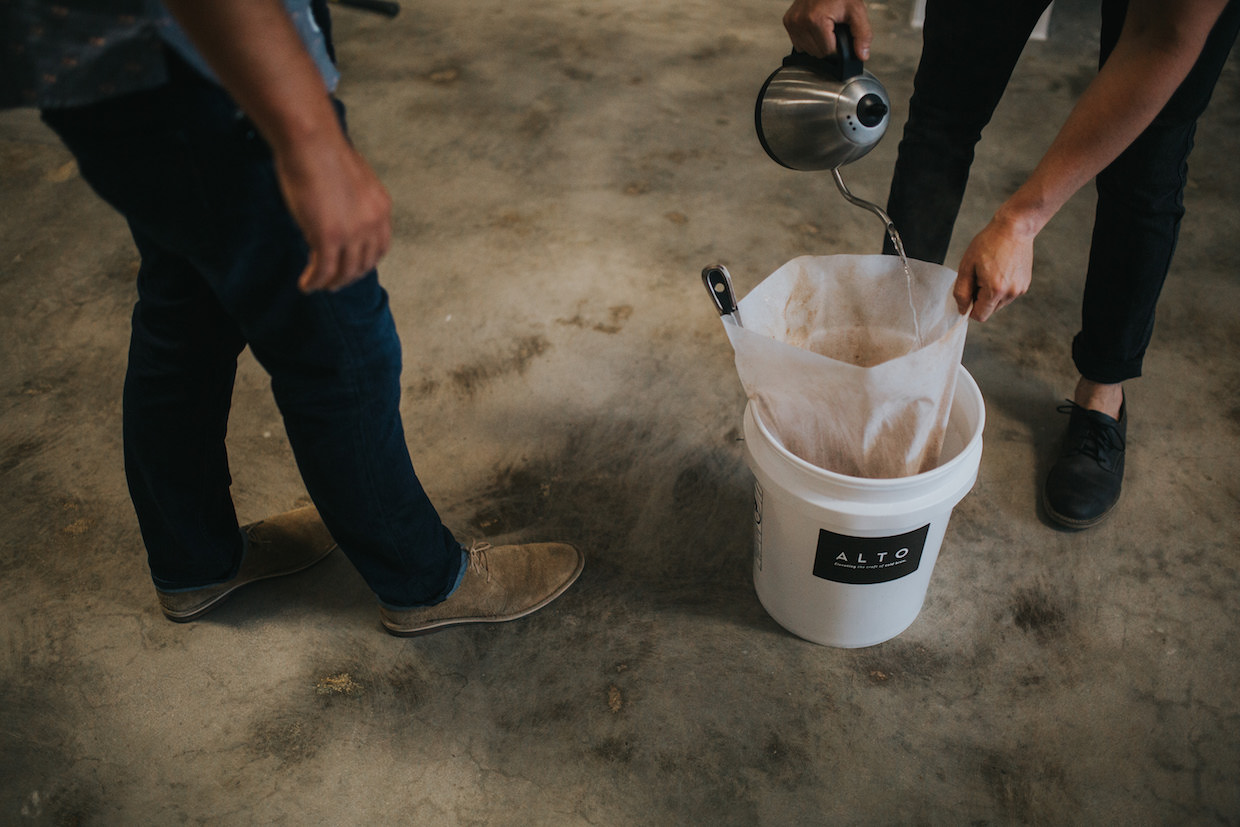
{"x": 891, "y": 233}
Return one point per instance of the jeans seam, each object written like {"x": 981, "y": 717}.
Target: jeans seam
{"x": 361, "y": 438}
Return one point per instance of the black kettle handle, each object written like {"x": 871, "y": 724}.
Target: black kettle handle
{"x": 842, "y": 65}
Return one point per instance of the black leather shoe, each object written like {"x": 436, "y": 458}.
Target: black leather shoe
{"x": 1084, "y": 483}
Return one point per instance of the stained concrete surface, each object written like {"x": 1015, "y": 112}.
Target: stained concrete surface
{"x": 561, "y": 172}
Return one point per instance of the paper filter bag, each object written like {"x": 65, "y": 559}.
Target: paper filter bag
{"x": 829, "y": 356}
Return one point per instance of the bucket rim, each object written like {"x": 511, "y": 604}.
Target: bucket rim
{"x": 946, "y": 468}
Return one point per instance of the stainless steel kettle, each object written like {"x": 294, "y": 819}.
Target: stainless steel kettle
{"x": 821, "y": 113}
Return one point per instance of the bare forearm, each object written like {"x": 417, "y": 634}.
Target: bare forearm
{"x": 1157, "y": 48}
{"x": 332, "y": 193}
{"x": 254, "y": 49}
{"x": 1154, "y": 54}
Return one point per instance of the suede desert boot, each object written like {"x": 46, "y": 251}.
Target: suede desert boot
{"x": 500, "y": 583}
{"x": 283, "y": 544}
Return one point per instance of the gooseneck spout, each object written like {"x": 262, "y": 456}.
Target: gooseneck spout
{"x": 874, "y": 208}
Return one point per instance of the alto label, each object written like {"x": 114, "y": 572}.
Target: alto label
{"x": 865, "y": 560}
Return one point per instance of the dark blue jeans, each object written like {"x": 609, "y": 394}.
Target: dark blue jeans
{"x": 220, "y": 257}
{"x": 969, "y": 50}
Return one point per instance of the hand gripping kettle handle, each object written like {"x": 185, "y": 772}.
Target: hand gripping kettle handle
{"x": 842, "y": 65}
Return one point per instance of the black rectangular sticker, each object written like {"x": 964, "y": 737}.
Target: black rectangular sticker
{"x": 863, "y": 560}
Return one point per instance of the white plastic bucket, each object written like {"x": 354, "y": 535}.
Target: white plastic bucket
{"x": 846, "y": 561}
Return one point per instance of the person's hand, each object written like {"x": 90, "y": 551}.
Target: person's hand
{"x": 811, "y": 26}
{"x": 996, "y": 269}
{"x": 341, "y": 207}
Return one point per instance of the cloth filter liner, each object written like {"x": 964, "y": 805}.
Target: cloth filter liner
{"x": 828, "y": 355}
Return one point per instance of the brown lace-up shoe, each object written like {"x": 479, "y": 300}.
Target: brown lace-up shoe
{"x": 279, "y": 545}
{"x": 501, "y": 583}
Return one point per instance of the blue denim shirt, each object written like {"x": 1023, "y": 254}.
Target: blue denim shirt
{"x": 61, "y": 53}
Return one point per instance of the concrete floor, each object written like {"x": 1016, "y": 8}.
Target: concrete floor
{"x": 562, "y": 171}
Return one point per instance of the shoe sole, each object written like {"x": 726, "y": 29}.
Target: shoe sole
{"x": 199, "y": 611}
{"x": 447, "y": 623}
{"x": 1069, "y": 522}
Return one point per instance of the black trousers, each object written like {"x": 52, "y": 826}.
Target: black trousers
{"x": 969, "y": 50}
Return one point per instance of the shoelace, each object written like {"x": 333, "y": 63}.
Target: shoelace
{"x": 478, "y": 560}
{"x": 1099, "y": 438}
